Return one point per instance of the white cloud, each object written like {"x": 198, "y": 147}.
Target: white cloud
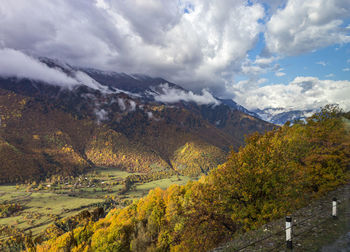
{"x": 101, "y": 115}
{"x": 262, "y": 80}
{"x": 348, "y": 61}
{"x": 14, "y": 63}
{"x": 329, "y": 75}
{"x": 346, "y": 69}
{"x": 149, "y": 114}
{"x": 174, "y": 95}
{"x": 280, "y": 74}
{"x": 301, "y": 93}
{"x": 322, "y": 63}
{"x": 265, "y": 61}
{"x": 204, "y": 47}
{"x": 121, "y": 104}
{"x": 304, "y": 26}
{"x": 132, "y": 105}
{"x": 126, "y": 105}
{"x": 17, "y": 64}
{"x": 151, "y": 37}
{"x": 252, "y": 69}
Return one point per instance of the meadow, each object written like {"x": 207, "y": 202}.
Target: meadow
{"x": 59, "y": 197}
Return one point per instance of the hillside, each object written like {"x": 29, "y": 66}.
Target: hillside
{"x": 248, "y": 190}
{"x": 38, "y": 140}
{"x": 47, "y": 129}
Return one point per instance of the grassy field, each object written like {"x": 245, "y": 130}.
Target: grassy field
{"x": 63, "y": 197}
{"x": 41, "y": 208}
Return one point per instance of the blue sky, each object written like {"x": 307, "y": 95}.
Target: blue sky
{"x": 331, "y": 62}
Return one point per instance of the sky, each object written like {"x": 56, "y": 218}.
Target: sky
{"x": 293, "y": 54}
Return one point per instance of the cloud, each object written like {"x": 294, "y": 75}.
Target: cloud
{"x": 302, "y": 93}
{"x": 265, "y": 61}
{"x": 249, "y": 69}
{"x": 322, "y": 63}
{"x": 329, "y": 75}
{"x": 121, "y": 104}
{"x": 17, "y": 64}
{"x": 304, "y": 26}
{"x": 132, "y": 106}
{"x": 198, "y": 42}
{"x": 346, "y": 69}
{"x": 101, "y": 115}
{"x": 149, "y": 114}
{"x": 126, "y": 105}
{"x": 20, "y": 65}
{"x": 174, "y": 95}
{"x": 195, "y": 43}
{"x": 280, "y": 74}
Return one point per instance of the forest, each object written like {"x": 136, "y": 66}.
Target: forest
{"x": 274, "y": 174}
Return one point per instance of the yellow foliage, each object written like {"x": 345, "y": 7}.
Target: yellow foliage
{"x": 36, "y": 137}
{"x": 272, "y": 175}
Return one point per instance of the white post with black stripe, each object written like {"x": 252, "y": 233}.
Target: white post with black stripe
{"x": 289, "y": 232}
{"x": 334, "y": 208}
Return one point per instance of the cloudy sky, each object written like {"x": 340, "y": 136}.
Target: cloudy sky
{"x": 272, "y": 53}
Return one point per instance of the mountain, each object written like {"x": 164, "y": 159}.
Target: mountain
{"x": 280, "y": 116}
{"x": 98, "y": 118}
{"x": 248, "y": 192}
{"x": 232, "y": 104}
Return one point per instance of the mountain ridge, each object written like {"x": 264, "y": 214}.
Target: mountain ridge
{"x": 73, "y": 128}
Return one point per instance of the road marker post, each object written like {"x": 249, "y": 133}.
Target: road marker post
{"x": 289, "y": 232}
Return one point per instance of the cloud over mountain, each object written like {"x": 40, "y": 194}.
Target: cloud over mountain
{"x": 194, "y": 42}
{"x": 199, "y": 44}
{"x": 174, "y": 95}
{"x": 17, "y": 64}
{"x": 302, "y": 93}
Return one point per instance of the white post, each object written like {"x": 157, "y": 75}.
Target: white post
{"x": 289, "y": 232}
{"x": 334, "y": 208}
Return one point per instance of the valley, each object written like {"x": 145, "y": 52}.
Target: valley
{"x": 118, "y": 162}
{"x": 104, "y": 144}
{"x": 44, "y": 203}
{"x": 174, "y": 126}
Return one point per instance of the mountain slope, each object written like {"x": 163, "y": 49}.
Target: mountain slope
{"x": 48, "y": 129}
{"x": 244, "y": 193}
{"x": 280, "y": 116}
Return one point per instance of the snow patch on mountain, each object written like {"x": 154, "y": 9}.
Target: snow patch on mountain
{"x": 280, "y": 116}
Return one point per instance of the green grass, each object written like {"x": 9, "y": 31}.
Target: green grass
{"x": 164, "y": 183}
{"x": 41, "y": 207}
{"x": 110, "y": 173}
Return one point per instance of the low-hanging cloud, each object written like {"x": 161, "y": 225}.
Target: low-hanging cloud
{"x": 300, "y": 94}
{"x": 174, "y": 95}
{"x": 17, "y": 64}
{"x": 188, "y": 42}
{"x": 195, "y": 43}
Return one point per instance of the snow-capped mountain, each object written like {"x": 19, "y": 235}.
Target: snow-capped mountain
{"x": 280, "y": 116}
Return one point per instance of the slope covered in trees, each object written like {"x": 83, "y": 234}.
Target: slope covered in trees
{"x": 272, "y": 175}
{"x": 56, "y": 132}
